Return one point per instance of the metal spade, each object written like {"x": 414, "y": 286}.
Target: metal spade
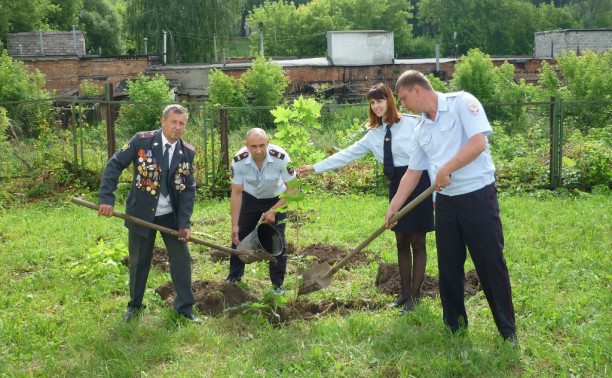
{"x": 319, "y": 276}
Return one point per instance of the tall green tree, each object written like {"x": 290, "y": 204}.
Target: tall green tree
{"x": 301, "y": 31}
{"x": 103, "y": 27}
{"x": 64, "y": 14}
{"x": 591, "y": 13}
{"x": 189, "y": 24}
{"x": 499, "y": 27}
{"x": 550, "y": 18}
{"x": 24, "y": 15}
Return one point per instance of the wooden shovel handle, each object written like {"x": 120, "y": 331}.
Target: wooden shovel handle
{"x": 170, "y": 231}
{"x": 426, "y": 193}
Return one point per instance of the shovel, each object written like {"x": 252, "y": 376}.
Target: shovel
{"x": 259, "y": 255}
{"x": 319, "y": 276}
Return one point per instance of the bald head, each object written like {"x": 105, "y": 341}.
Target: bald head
{"x": 256, "y": 131}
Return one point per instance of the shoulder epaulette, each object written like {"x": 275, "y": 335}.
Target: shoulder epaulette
{"x": 454, "y": 94}
{"x": 188, "y": 146}
{"x": 241, "y": 156}
{"x": 147, "y": 134}
{"x": 277, "y": 154}
{"x": 411, "y": 115}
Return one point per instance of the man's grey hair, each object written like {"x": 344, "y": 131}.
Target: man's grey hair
{"x": 256, "y": 131}
{"x": 175, "y": 108}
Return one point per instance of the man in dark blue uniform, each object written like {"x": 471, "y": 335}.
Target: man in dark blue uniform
{"x": 163, "y": 192}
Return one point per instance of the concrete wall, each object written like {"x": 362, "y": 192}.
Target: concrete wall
{"x": 360, "y": 48}
{"x": 550, "y": 43}
{"x": 53, "y": 43}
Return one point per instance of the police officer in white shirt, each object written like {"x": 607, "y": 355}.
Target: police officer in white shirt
{"x": 389, "y": 138}
{"x": 452, "y": 137}
{"x": 259, "y": 174}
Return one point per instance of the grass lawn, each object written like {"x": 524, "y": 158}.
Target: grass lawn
{"x": 61, "y": 300}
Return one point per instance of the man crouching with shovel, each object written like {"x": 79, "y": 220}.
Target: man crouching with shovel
{"x": 162, "y": 192}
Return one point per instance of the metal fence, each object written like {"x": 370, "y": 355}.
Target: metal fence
{"x": 82, "y": 133}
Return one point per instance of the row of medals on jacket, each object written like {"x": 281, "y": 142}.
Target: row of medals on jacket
{"x": 149, "y": 174}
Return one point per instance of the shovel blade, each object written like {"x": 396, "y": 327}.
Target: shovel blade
{"x": 315, "y": 278}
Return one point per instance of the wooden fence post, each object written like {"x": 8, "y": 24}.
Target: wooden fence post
{"x": 110, "y": 120}
{"x": 556, "y": 142}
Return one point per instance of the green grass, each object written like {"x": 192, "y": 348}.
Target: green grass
{"x": 61, "y": 306}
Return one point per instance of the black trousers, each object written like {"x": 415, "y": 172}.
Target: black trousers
{"x": 250, "y": 213}
{"x": 141, "y": 254}
{"x": 472, "y": 220}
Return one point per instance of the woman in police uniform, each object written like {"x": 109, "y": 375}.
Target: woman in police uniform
{"x": 389, "y": 137}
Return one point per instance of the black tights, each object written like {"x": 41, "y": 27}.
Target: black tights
{"x": 411, "y": 271}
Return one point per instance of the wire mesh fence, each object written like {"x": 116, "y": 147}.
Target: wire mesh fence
{"x": 67, "y": 141}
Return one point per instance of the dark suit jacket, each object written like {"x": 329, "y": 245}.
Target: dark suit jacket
{"x": 145, "y": 151}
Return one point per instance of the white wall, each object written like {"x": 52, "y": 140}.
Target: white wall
{"x": 360, "y": 48}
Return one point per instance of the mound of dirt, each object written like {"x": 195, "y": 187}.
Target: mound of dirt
{"x": 388, "y": 280}
{"x": 332, "y": 254}
{"x": 217, "y": 256}
{"x": 211, "y": 298}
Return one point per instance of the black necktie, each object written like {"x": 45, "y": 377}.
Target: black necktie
{"x": 388, "y": 168}
{"x": 164, "y": 169}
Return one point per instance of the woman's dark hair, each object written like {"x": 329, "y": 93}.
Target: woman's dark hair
{"x": 378, "y": 92}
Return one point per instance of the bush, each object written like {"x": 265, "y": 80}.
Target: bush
{"x": 143, "y": 117}
{"x": 477, "y": 75}
{"x": 587, "y": 162}
{"x": 16, "y": 84}
{"x": 225, "y": 90}
{"x": 4, "y": 124}
{"x": 264, "y": 85}
{"x": 261, "y": 85}
{"x": 587, "y": 77}
{"x": 89, "y": 88}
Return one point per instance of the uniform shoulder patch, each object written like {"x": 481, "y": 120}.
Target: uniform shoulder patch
{"x": 241, "y": 156}
{"x": 187, "y": 145}
{"x": 146, "y": 134}
{"x": 473, "y": 106}
{"x": 277, "y": 154}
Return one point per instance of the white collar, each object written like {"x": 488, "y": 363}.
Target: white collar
{"x": 164, "y": 141}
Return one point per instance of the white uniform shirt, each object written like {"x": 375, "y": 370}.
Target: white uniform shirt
{"x": 164, "y": 206}
{"x": 401, "y": 135}
{"x": 268, "y": 182}
{"x": 460, "y": 116}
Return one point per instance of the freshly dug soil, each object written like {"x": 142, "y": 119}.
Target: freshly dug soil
{"x": 388, "y": 280}
{"x": 211, "y": 298}
{"x": 215, "y": 298}
{"x": 332, "y": 254}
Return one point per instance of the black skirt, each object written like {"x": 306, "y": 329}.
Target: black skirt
{"x": 420, "y": 219}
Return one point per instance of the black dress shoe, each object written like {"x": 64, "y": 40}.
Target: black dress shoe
{"x": 399, "y": 302}
{"x": 233, "y": 279}
{"x": 278, "y": 289}
{"x": 132, "y": 311}
{"x": 193, "y": 318}
{"x": 408, "y": 307}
